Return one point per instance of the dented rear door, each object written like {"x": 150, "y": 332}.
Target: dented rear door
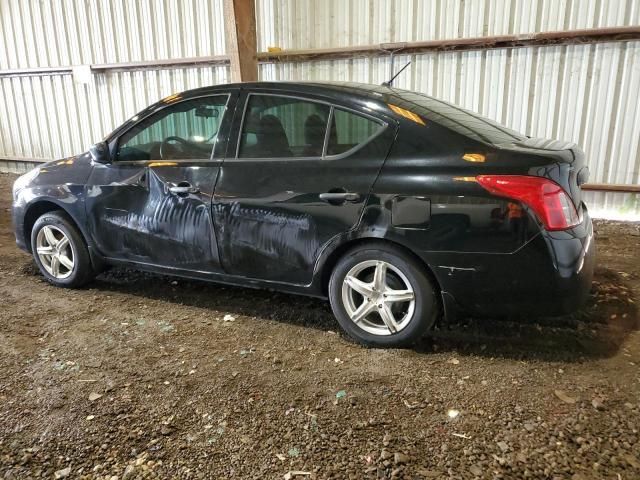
{"x": 152, "y": 204}
{"x": 288, "y": 187}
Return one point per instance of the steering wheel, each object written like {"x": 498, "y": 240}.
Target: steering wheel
{"x": 167, "y": 150}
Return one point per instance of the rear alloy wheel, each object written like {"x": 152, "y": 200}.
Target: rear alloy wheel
{"x": 60, "y": 251}
{"x": 381, "y": 297}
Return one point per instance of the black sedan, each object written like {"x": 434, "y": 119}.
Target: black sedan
{"x": 396, "y": 206}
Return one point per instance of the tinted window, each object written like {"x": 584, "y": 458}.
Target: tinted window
{"x": 456, "y": 118}
{"x": 349, "y": 130}
{"x": 185, "y": 130}
{"x": 276, "y": 127}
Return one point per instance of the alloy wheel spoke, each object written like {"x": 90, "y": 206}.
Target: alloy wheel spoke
{"x": 387, "y": 317}
{"x": 362, "y": 311}
{"x": 45, "y": 250}
{"x": 388, "y": 299}
{"x": 55, "y": 266}
{"x": 380, "y": 277}
{"x": 394, "y": 296}
{"x": 48, "y": 234}
{"x": 65, "y": 261}
{"x": 62, "y": 244}
{"x": 359, "y": 286}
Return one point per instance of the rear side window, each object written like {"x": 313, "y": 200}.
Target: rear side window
{"x": 277, "y": 127}
{"x": 348, "y": 130}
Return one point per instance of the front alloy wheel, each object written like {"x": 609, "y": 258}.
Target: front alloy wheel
{"x": 55, "y": 252}
{"x": 60, "y": 250}
{"x": 382, "y": 296}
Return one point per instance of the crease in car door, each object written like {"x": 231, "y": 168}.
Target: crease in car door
{"x": 156, "y": 210}
{"x": 282, "y": 197}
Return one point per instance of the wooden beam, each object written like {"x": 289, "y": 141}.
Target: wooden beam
{"x": 541, "y": 39}
{"x": 240, "y": 29}
{"x": 611, "y": 187}
{"x": 245, "y": 69}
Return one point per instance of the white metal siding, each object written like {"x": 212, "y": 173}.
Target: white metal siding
{"x": 50, "y": 116}
{"x": 50, "y": 33}
{"x": 296, "y": 24}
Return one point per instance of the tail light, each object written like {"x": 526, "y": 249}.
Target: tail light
{"x": 547, "y": 199}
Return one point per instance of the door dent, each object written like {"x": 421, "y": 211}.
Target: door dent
{"x": 272, "y": 234}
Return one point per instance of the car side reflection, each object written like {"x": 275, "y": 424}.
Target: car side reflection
{"x": 469, "y": 223}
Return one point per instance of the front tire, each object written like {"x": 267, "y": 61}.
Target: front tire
{"x": 60, "y": 251}
{"x": 382, "y": 297}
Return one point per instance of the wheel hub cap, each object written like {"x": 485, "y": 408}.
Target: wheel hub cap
{"x": 378, "y": 297}
{"x": 55, "y": 252}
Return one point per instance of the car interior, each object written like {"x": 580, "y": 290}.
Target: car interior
{"x": 265, "y": 136}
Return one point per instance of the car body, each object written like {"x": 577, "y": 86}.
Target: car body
{"x": 278, "y": 203}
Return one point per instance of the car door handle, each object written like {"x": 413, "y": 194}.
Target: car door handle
{"x": 183, "y": 189}
{"x": 339, "y": 197}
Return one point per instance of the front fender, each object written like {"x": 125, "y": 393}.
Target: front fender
{"x": 55, "y": 185}
{"x": 30, "y": 203}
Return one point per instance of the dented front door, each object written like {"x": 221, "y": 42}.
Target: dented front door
{"x": 152, "y": 204}
{"x": 136, "y": 216}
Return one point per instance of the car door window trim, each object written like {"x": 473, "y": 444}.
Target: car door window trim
{"x": 236, "y": 158}
{"x": 116, "y": 140}
{"x": 383, "y": 126}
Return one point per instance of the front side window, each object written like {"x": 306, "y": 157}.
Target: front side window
{"x": 348, "y": 130}
{"x": 184, "y": 131}
{"x": 277, "y": 127}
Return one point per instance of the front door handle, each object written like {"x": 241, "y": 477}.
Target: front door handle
{"x": 183, "y": 188}
{"x": 339, "y": 197}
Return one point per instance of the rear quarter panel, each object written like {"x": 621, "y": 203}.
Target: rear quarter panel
{"x": 464, "y": 234}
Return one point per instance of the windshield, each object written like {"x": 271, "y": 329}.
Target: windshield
{"x": 455, "y": 118}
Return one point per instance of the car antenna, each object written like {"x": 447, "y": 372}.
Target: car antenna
{"x": 388, "y": 84}
{"x": 393, "y": 48}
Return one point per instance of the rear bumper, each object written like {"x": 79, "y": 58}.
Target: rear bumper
{"x": 574, "y": 256}
{"x": 551, "y": 275}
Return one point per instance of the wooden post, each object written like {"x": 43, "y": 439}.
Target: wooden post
{"x": 240, "y": 29}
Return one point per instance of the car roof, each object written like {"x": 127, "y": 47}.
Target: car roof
{"x": 350, "y": 93}
{"x": 360, "y": 96}
{"x": 344, "y": 91}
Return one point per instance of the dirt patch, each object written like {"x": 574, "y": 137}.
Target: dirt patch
{"x": 144, "y": 376}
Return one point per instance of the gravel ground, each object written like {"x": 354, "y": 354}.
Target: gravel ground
{"x": 144, "y": 376}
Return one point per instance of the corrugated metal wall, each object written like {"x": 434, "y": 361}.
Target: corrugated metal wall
{"x": 50, "y": 116}
{"x": 584, "y": 93}
{"x": 296, "y": 24}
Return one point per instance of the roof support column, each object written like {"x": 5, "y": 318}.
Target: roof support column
{"x": 240, "y": 30}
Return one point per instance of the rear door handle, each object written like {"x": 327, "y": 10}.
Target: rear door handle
{"x": 183, "y": 188}
{"x": 339, "y": 197}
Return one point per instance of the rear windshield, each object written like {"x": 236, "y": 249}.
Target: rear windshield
{"x": 458, "y": 119}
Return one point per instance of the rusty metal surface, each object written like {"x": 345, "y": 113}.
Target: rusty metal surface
{"x": 570, "y": 37}
{"x": 612, "y": 187}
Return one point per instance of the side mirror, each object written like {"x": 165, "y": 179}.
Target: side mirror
{"x": 100, "y": 152}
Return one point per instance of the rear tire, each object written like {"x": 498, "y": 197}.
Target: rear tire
{"x": 382, "y": 297}
{"x": 60, "y": 251}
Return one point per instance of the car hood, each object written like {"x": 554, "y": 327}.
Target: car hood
{"x": 71, "y": 170}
